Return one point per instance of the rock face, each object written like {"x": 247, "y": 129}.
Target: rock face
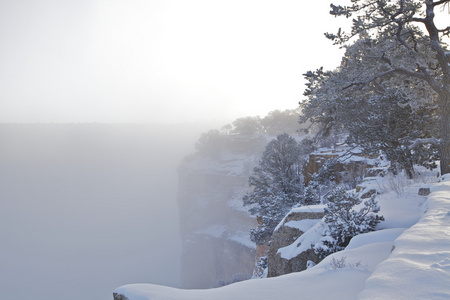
{"x": 214, "y": 224}
{"x": 356, "y": 165}
{"x": 295, "y": 224}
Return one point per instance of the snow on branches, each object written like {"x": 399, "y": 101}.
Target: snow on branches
{"x": 344, "y": 222}
{"x": 277, "y": 185}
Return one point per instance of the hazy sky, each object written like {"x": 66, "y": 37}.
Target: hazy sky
{"x": 157, "y": 60}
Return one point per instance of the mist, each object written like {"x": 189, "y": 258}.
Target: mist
{"x": 90, "y": 206}
{"x": 86, "y": 208}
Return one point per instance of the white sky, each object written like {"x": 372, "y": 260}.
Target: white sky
{"x": 158, "y": 61}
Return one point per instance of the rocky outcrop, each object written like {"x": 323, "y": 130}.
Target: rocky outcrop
{"x": 354, "y": 164}
{"x": 295, "y": 224}
{"x": 214, "y": 225}
{"x": 315, "y": 162}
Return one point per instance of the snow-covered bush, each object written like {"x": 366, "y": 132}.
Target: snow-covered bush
{"x": 343, "y": 222}
{"x": 342, "y": 263}
{"x": 398, "y": 183}
{"x": 338, "y": 263}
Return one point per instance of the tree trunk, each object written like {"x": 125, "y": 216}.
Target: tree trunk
{"x": 444, "y": 147}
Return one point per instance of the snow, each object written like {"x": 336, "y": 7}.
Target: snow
{"x": 309, "y": 208}
{"x": 406, "y": 259}
{"x": 302, "y": 209}
{"x": 342, "y": 283}
{"x": 419, "y": 266}
{"x": 375, "y": 237}
{"x": 304, "y": 242}
{"x": 347, "y": 154}
{"x": 302, "y": 225}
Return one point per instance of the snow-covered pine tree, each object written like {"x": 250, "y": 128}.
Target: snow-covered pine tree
{"x": 386, "y": 115}
{"x": 424, "y": 51}
{"x": 277, "y": 184}
{"x": 343, "y": 222}
{"x": 311, "y": 194}
{"x": 390, "y": 124}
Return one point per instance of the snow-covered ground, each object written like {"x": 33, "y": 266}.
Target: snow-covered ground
{"x": 408, "y": 258}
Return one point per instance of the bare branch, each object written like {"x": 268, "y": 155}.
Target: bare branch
{"x": 439, "y": 2}
{"x": 429, "y": 141}
{"x": 445, "y": 31}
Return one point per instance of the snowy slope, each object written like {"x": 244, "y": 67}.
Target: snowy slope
{"x": 419, "y": 266}
{"x": 409, "y": 258}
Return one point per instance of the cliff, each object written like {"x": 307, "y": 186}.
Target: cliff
{"x": 214, "y": 224}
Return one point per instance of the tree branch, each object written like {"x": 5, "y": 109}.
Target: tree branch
{"x": 422, "y": 74}
{"x": 420, "y": 20}
{"x": 400, "y": 38}
{"x": 445, "y": 31}
{"x": 365, "y": 82}
{"x": 439, "y": 2}
{"x": 419, "y": 142}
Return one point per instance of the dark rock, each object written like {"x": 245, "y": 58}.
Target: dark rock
{"x": 424, "y": 191}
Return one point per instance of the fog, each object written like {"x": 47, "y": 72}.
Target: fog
{"x": 86, "y": 208}
{"x": 89, "y": 207}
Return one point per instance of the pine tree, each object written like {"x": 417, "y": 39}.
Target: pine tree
{"x": 391, "y": 125}
{"x": 387, "y": 115}
{"x": 277, "y": 184}
{"x": 424, "y": 51}
{"x": 343, "y": 222}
